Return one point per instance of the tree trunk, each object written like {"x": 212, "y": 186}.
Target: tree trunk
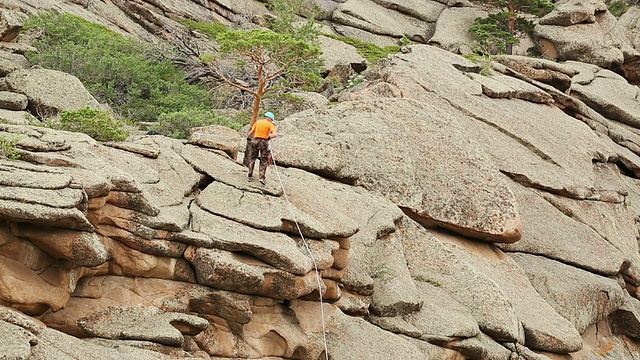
{"x": 256, "y": 109}
{"x": 257, "y": 99}
{"x": 511, "y": 23}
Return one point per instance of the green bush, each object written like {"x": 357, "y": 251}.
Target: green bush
{"x": 208, "y": 29}
{"x": 287, "y": 19}
{"x": 8, "y": 148}
{"x": 98, "y": 124}
{"x": 482, "y": 55}
{"x": 178, "y": 124}
{"x": 129, "y": 75}
{"x": 618, "y": 7}
{"x": 369, "y": 51}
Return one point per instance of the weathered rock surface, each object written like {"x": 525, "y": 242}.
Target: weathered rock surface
{"x": 452, "y": 29}
{"x": 45, "y": 101}
{"x": 160, "y": 249}
{"x": 377, "y": 19}
{"x": 336, "y": 52}
{"x": 350, "y": 151}
{"x": 583, "y": 31}
{"x": 629, "y": 21}
{"x": 610, "y": 95}
{"x": 579, "y": 296}
{"x": 142, "y": 323}
{"x": 431, "y": 260}
{"x": 217, "y": 137}
{"x": 394, "y": 291}
{"x": 582, "y": 246}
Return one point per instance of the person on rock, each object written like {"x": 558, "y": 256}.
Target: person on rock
{"x": 261, "y": 132}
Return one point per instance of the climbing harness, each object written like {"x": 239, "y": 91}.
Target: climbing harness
{"x": 306, "y": 245}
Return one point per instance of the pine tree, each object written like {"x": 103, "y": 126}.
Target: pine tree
{"x": 500, "y": 30}
{"x": 270, "y": 59}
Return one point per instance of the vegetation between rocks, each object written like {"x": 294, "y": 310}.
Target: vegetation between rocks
{"x": 98, "y": 124}
{"x": 433, "y": 282}
{"x": 618, "y": 7}
{"x": 210, "y": 30}
{"x": 142, "y": 84}
{"x": 178, "y": 124}
{"x": 274, "y": 61}
{"x": 8, "y": 147}
{"x": 369, "y": 51}
{"x": 129, "y": 75}
{"x": 499, "y": 31}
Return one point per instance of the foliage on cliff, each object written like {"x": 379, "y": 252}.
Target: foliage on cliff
{"x": 98, "y": 124}
{"x": 273, "y": 59}
{"x": 116, "y": 70}
{"x": 501, "y": 29}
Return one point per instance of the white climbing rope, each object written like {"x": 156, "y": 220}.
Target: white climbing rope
{"x": 306, "y": 245}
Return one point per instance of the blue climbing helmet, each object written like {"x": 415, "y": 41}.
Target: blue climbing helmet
{"x": 270, "y": 115}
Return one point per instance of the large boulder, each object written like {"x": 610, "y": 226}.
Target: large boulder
{"x": 544, "y": 328}
{"x": 452, "y": 29}
{"x": 10, "y": 62}
{"x": 547, "y": 137}
{"x": 336, "y": 52}
{"x": 377, "y": 19}
{"x": 367, "y": 338}
{"x": 579, "y": 296}
{"x": 431, "y": 260}
{"x": 629, "y": 21}
{"x": 364, "y": 35}
{"x": 583, "y": 31}
{"x": 612, "y": 96}
{"x": 428, "y": 10}
{"x": 11, "y": 23}
{"x": 146, "y": 323}
{"x": 340, "y": 143}
{"x": 46, "y": 101}
{"x": 582, "y": 246}
{"x": 543, "y": 70}
{"x": 216, "y": 137}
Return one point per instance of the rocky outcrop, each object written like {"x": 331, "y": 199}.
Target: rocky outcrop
{"x": 432, "y": 213}
{"x": 629, "y": 21}
{"x": 585, "y": 32}
{"x": 164, "y": 243}
{"x": 574, "y": 30}
{"x": 452, "y": 29}
{"x": 349, "y": 155}
{"x": 42, "y": 102}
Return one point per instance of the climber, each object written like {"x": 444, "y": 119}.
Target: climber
{"x": 261, "y": 132}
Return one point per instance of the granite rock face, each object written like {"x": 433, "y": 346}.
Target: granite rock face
{"x": 433, "y": 212}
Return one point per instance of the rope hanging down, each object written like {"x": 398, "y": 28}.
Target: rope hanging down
{"x": 306, "y": 245}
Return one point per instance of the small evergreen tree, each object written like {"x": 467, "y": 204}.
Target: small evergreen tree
{"x": 501, "y": 30}
{"x": 287, "y": 20}
{"x": 270, "y": 59}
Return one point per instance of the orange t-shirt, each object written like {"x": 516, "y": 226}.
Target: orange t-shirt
{"x": 263, "y": 128}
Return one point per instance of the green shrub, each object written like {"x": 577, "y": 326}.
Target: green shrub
{"x": 287, "y": 19}
{"x": 98, "y": 124}
{"x": 481, "y": 56}
{"x": 405, "y": 41}
{"x": 116, "y": 70}
{"x": 512, "y": 19}
{"x": 618, "y": 7}
{"x": 208, "y": 29}
{"x": 8, "y": 148}
{"x": 178, "y": 124}
{"x": 369, "y": 51}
